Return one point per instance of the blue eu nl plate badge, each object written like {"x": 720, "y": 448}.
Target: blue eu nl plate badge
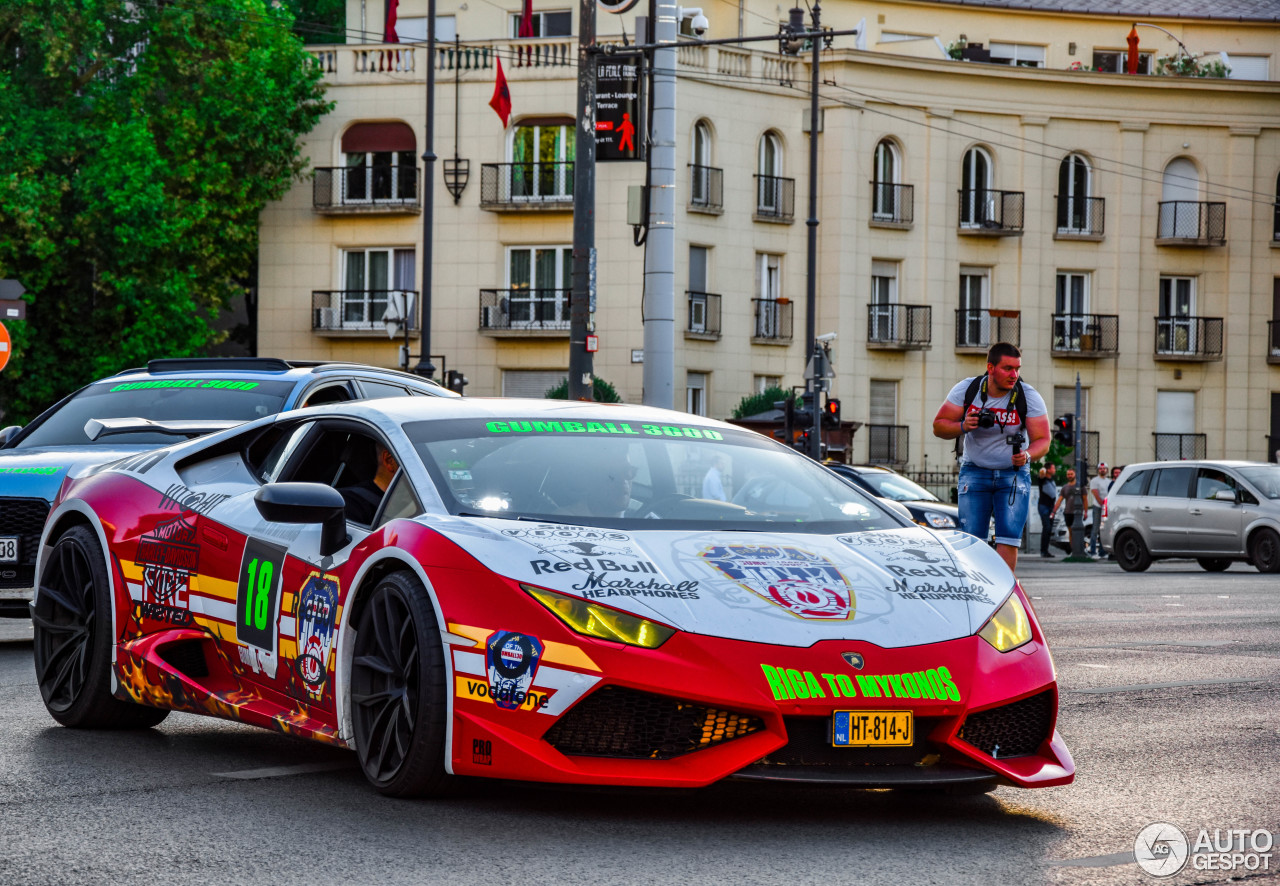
{"x": 840, "y": 728}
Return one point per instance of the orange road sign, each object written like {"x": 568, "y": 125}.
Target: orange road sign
{"x": 4, "y": 346}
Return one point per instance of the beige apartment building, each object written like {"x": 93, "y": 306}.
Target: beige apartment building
{"x": 1121, "y": 228}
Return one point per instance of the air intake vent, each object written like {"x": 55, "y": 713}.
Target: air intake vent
{"x": 23, "y": 517}
{"x": 627, "y": 723}
{"x": 1012, "y": 730}
{"x": 186, "y": 657}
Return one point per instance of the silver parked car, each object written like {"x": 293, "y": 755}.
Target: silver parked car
{"x": 1214, "y": 511}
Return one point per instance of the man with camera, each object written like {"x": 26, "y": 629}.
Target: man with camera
{"x": 1001, "y": 425}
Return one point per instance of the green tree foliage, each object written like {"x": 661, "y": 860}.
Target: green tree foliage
{"x": 320, "y": 21}
{"x": 601, "y": 391}
{"x": 754, "y": 404}
{"x": 141, "y": 142}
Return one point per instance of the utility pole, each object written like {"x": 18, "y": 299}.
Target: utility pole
{"x": 659, "y": 262}
{"x": 425, "y": 367}
{"x": 1077, "y": 538}
{"x": 582, "y": 298}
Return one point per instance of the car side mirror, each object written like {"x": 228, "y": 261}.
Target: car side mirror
{"x": 1224, "y": 495}
{"x": 9, "y": 433}
{"x": 306, "y": 503}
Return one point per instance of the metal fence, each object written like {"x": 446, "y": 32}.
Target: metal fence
{"x": 1186, "y": 336}
{"x": 983, "y": 327}
{"x": 1089, "y": 335}
{"x": 526, "y": 184}
{"x": 1081, "y": 216}
{"x": 991, "y": 211}
{"x": 888, "y": 444}
{"x": 892, "y": 204}
{"x": 365, "y": 187}
{"x": 359, "y": 310}
{"x": 530, "y": 309}
{"x": 1193, "y": 221}
{"x": 706, "y": 187}
{"x": 704, "y": 313}
{"x": 775, "y": 197}
{"x": 1175, "y": 447}
{"x": 901, "y": 325}
{"x": 773, "y": 318}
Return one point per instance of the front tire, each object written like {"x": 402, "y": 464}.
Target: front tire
{"x": 72, "y": 621}
{"x": 1214, "y": 564}
{"x": 1131, "y": 552}
{"x": 1264, "y": 550}
{"x": 397, "y": 690}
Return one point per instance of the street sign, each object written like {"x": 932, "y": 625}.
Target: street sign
{"x": 620, "y": 123}
{"x": 4, "y": 346}
{"x": 11, "y": 289}
{"x": 13, "y": 309}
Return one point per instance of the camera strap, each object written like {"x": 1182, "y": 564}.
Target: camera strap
{"x": 1017, "y": 400}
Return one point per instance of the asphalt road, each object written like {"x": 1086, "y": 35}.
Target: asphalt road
{"x": 1171, "y": 684}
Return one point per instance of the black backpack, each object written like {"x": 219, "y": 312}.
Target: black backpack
{"x": 971, "y": 394}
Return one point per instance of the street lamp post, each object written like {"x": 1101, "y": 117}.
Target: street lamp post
{"x": 425, "y": 367}
{"x": 581, "y": 386}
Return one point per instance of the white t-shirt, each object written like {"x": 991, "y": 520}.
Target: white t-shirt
{"x": 985, "y": 447}
{"x": 1100, "y": 486}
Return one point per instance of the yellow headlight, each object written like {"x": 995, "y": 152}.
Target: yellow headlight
{"x": 601, "y": 621}
{"x": 1009, "y": 628}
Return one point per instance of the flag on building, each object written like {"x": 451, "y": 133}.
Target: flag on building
{"x": 501, "y": 101}
{"x": 389, "y": 30}
{"x": 526, "y": 19}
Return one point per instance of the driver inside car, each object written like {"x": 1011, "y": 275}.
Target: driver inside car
{"x": 598, "y": 486}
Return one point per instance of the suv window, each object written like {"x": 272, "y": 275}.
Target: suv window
{"x": 1172, "y": 482}
{"x": 1210, "y": 481}
{"x": 1136, "y": 484}
{"x": 375, "y": 389}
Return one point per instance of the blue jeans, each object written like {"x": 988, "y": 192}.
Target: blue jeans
{"x": 1003, "y": 493}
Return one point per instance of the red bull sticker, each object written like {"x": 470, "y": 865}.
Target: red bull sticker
{"x": 806, "y": 584}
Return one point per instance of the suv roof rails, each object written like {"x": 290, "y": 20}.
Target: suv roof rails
{"x": 325, "y": 365}
{"x": 219, "y": 364}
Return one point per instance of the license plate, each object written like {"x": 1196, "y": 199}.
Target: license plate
{"x": 9, "y": 549}
{"x": 871, "y": 729}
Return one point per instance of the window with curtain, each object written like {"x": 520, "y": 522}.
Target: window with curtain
{"x": 542, "y": 160}
{"x": 977, "y": 205}
{"x": 1074, "y": 185}
{"x": 538, "y": 281}
{"x": 887, "y": 169}
{"x": 373, "y": 278}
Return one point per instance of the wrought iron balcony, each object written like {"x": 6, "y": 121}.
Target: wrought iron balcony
{"x": 704, "y": 315}
{"x": 1081, "y": 218}
{"x": 382, "y": 190}
{"x": 773, "y": 320}
{"x": 979, "y": 328}
{"x": 1273, "y": 341}
{"x": 892, "y": 206}
{"x": 527, "y": 187}
{"x": 1179, "y": 447}
{"x": 1086, "y": 335}
{"x": 706, "y": 189}
{"x": 525, "y": 312}
{"x": 775, "y": 198}
{"x": 888, "y": 444}
{"x": 987, "y": 213}
{"x": 899, "y": 327}
{"x": 1192, "y": 223}
{"x": 342, "y": 312}
{"x": 1188, "y": 339}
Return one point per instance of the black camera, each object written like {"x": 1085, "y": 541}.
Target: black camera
{"x": 1017, "y": 441}
{"x": 986, "y": 418}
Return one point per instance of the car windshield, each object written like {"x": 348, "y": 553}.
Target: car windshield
{"x": 1264, "y": 478}
{"x": 158, "y": 399}
{"x": 628, "y": 474}
{"x": 896, "y": 487}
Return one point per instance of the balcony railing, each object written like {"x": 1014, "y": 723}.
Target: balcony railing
{"x": 892, "y": 205}
{"x": 1086, "y": 335}
{"x": 1273, "y": 341}
{"x": 888, "y": 444}
{"x": 991, "y": 213}
{"x": 704, "y": 315}
{"x": 775, "y": 197}
{"x": 980, "y": 328}
{"x": 366, "y": 189}
{"x": 706, "y": 188}
{"x": 1192, "y": 223}
{"x": 1178, "y": 447}
{"x": 773, "y": 320}
{"x": 524, "y": 310}
{"x": 1188, "y": 339}
{"x": 893, "y": 326}
{"x": 526, "y": 186}
{"x": 1081, "y": 218}
{"x": 359, "y": 310}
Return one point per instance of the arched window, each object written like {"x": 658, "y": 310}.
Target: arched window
{"x": 885, "y": 180}
{"x": 380, "y": 163}
{"x": 1075, "y": 181}
{"x": 977, "y": 203}
{"x": 768, "y": 178}
{"x": 704, "y": 191}
{"x": 542, "y": 159}
{"x": 1179, "y": 199}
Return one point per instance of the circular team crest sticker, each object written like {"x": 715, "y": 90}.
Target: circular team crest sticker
{"x": 1161, "y": 849}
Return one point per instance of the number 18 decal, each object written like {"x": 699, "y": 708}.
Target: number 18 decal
{"x": 258, "y": 596}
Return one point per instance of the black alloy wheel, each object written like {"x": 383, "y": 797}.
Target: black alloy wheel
{"x": 1131, "y": 552}
{"x": 1214, "y": 564}
{"x": 397, "y": 690}
{"x": 1264, "y": 550}
{"x": 72, "y": 621}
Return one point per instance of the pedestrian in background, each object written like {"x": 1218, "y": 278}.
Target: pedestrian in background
{"x": 1069, "y": 503}
{"x": 1098, "y": 487}
{"x": 1048, "y": 492}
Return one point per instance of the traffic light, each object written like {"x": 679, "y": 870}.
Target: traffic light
{"x": 788, "y": 407}
{"x": 831, "y": 413}
{"x": 1064, "y": 430}
{"x": 803, "y": 421}
{"x": 455, "y": 381}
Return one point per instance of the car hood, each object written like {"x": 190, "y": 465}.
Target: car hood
{"x": 39, "y": 472}
{"x": 893, "y": 588}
